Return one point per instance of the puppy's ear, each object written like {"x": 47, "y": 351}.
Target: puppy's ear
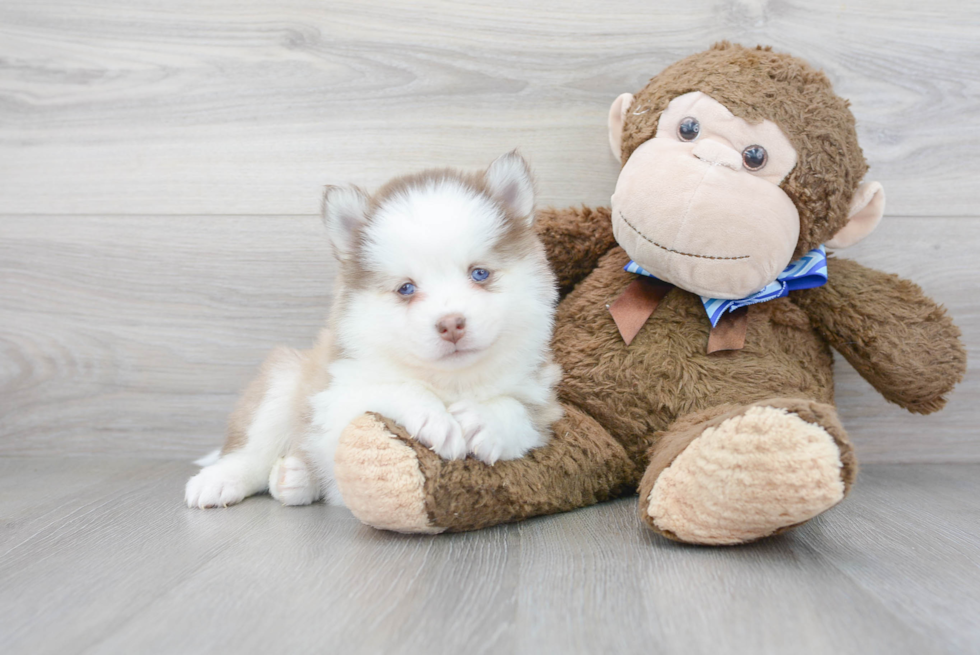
{"x": 344, "y": 212}
{"x": 509, "y": 181}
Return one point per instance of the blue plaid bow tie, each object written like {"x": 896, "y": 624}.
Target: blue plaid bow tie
{"x": 807, "y": 272}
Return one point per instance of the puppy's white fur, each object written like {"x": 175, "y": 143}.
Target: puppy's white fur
{"x": 487, "y": 391}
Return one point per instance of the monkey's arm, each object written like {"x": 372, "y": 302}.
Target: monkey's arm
{"x": 897, "y": 338}
{"x": 574, "y": 239}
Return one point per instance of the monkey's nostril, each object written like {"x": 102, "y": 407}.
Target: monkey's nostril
{"x": 712, "y": 152}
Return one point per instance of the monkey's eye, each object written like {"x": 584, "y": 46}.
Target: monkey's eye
{"x": 754, "y": 157}
{"x": 689, "y": 129}
{"x": 406, "y": 289}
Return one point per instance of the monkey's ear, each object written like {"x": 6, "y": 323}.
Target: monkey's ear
{"x": 617, "y": 116}
{"x": 867, "y": 208}
{"x": 344, "y": 211}
{"x": 509, "y": 180}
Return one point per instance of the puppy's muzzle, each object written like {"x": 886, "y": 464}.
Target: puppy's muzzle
{"x": 451, "y": 327}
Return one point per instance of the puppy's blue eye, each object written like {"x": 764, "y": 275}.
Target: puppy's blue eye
{"x": 406, "y": 289}
{"x": 479, "y": 274}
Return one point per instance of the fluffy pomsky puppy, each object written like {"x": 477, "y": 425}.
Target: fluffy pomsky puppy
{"x": 441, "y": 321}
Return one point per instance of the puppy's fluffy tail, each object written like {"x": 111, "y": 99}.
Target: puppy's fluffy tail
{"x": 209, "y": 459}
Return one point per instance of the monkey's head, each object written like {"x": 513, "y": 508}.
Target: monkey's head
{"x": 735, "y": 163}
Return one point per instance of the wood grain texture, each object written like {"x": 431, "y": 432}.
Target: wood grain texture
{"x": 119, "y": 565}
{"x": 903, "y": 522}
{"x": 937, "y": 254}
{"x": 249, "y": 107}
{"x": 135, "y": 335}
{"x": 132, "y": 336}
{"x": 160, "y": 166}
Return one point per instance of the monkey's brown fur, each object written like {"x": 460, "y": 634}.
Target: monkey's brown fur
{"x": 791, "y": 94}
{"x": 630, "y": 411}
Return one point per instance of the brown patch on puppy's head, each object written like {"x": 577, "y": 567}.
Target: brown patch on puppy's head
{"x": 507, "y": 182}
{"x": 758, "y": 84}
{"x": 435, "y": 246}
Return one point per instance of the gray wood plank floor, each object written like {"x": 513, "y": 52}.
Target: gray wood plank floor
{"x": 160, "y": 169}
{"x": 102, "y": 557}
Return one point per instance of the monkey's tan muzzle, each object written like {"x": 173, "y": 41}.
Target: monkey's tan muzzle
{"x": 703, "y": 224}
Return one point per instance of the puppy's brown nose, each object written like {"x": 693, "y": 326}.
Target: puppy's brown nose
{"x": 451, "y": 327}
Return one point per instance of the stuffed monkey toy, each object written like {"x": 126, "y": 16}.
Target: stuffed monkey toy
{"x": 696, "y": 323}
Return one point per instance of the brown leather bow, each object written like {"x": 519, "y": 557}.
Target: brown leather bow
{"x": 640, "y": 299}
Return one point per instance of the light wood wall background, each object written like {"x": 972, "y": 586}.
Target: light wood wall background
{"x": 161, "y": 167}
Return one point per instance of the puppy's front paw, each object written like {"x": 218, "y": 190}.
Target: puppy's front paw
{"x": 214, "y": 486}
{"x": 291, "y": 482}
{"x": 438, "y": 430}
{"x": 477, "y": 432}
{"x": 497, "y": 431}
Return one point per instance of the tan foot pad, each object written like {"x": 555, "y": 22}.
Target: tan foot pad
{"x": 380, "y": 479}
{"x": 748, "y": 477}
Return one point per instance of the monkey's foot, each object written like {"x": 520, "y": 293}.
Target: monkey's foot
{"x": 747, "y": 474}
{"x": 380, "y": 479}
